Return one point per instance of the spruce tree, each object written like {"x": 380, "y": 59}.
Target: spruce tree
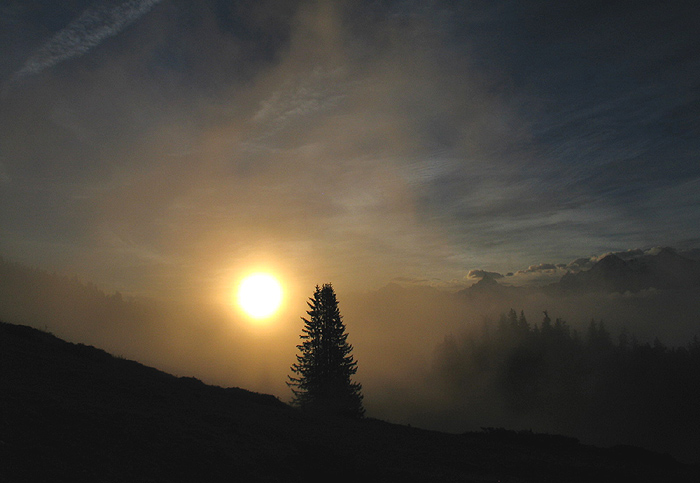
{"x": 325, "y": 365}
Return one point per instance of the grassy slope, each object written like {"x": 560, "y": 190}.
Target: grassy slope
{"x": 74, "y": 413}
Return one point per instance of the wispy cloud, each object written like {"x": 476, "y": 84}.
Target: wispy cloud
{"x": 369, "y": 142}
{"x": 311, "y": 94}
{"x": 100, "y": 21}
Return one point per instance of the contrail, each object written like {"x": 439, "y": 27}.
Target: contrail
{"x": 100, "y": 21}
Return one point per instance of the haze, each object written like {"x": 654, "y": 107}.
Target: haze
{"x": 402, "y": 151}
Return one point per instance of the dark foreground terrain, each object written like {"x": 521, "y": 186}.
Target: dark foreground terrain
{"x": 74, "y": 413}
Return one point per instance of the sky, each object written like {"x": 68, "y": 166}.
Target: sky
{"x": 167, "y": 147}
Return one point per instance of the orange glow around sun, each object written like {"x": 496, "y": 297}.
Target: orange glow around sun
{"x": 260, "y": 295}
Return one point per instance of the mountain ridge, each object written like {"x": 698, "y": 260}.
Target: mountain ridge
{"x": 665, "y": 269}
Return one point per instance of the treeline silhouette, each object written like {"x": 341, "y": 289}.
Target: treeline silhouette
{"x": 549, "y": 377}
{"x": 33, "y": 295}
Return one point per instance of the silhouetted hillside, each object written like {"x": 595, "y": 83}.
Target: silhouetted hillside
{"x": 74, "y": 413}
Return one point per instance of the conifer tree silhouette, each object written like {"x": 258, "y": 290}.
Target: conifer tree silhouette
{"x": 325, "y": 365}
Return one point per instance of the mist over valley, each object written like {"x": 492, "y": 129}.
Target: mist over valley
{"x": 416, "y": 346}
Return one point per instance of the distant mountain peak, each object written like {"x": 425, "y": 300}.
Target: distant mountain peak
{"x": 609, "y": 261}
{"x": 662, "y": 251}
{"x": 486, "y": 282}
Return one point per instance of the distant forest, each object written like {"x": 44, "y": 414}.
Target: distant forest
{"x": 547, "y": 376}
{"x": 52, "y": 301}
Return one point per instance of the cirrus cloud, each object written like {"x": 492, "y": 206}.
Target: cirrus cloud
{"x": 98, "y": 22}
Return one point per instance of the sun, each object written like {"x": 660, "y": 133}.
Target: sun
{"x": 260, "y": 295}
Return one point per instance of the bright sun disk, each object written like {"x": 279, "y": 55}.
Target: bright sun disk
{"x": 260, "y": 295}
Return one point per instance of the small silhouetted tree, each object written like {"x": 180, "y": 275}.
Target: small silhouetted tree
{"x": 325, "y": 365}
